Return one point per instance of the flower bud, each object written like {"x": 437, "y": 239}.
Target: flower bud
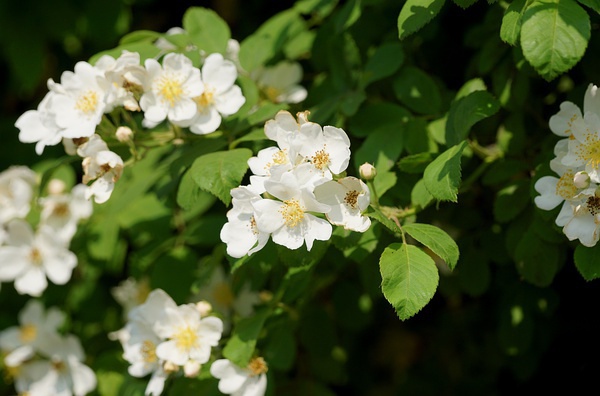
{"x": 367, "y": 171}
{"x": 56, "y": 187}
{"x": 170, "y": 367}
{"x": 581, "y": 180}
{"x": 203, "y": 307}
{"x": 191, "y": 368}
{"x": 124, "y": 134}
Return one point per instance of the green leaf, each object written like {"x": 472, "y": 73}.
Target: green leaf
{"x": 415, "y": 163}
{"x": 174, "y": 273}
{"x": 376, "y": 117}
{"x": 435, "y": 239}
{"x": 219, "y": 172}
{"x": 414, "y": 88}
{"x": 409, "y": 278}
{"x": 240, "y": 347}
{"x": 442, "y": 176}
{"x": 464, "y": 3}
{"x": 348, "y": 15}
{"x": 384, "y": 62}
{"x": 140, "y": 35}
{"x": 511, "y": 22}
{"x": 415, "y": 14}
{"x": 537, "y": 261}
{"x": 190, "y": 196}
{"x": 587, "y": 261}
{"x": 554, "y": 35}
{"x": 419, "y": 196}
{"x": 381, "y": 149}
{"x": 593, "y": 4}
{"x": 145, "y": 48}
{"x": 511, "y": 200}
{"x": 206, "y": 29}
{"x": 466, "y": 112}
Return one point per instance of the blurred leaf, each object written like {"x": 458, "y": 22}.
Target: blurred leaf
{"x": 593, "y": 4}
{"x": 537, "y": 261}
{"x": 554, "y": 35}
{"x": 383, "y": 117}
{"x": 511, "y": 22}
{"x": 174, "y": 273}
{"x": 348, "y": 15}
{"x": 435, "y": 239}
{"x": 474, "y": 273}
{"x": 587, "y": 261}
{"x": 381, "y": 149}
{"x": 511, "y": 200}
{"x": 206, "y": 29}
{"x": 415, "y": 163}
{"x": 464, "y": 3}
{"x": 384, "y": 62}
{"x": 415, "y": 14}
{"x": 417, "y": 90}
{"x": 442, "y": 176}
{"x": 466, "y": 112}
{"x": 139, "y": 35}
{"x": 280, "y": 349}
{"x": 409, "y": 278}
{"x": 240, "y": 347}
{"x": 219, "y": 172}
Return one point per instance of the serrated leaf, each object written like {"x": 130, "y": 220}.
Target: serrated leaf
{"x": 415, "y": 163}
{"x": 240, "y": 347}
{"x": 554, "y": 35}
{"x": 511, "y": 22}
{"x": 587, "y": 261}
{"x": 419, "y": 196}
{"x": 442, "y": 176}
{"x": 417, "y": 90}
{"x": 409, "y": 278}
{"x": 383, "y": 219}
{"x": 206, "y": 29}
{"x": 435, "y": 239}
{"x": 468, "y": 111}
{"x": 219, "y": 172}
{"x": 593, "y": 4}
{"x": 415, "y": 14}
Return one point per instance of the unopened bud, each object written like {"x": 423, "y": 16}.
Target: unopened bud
{"x": 170, "y": 367}
{"x": 367, "y": 171}
{"x": 56, "y": 187}
{"x": 581, "y": 180}
{"x": 302, "y": 117}
{"x": 124, "y": 134}
{"x": 191, "y": 368}
{"x": 204, "y": 308}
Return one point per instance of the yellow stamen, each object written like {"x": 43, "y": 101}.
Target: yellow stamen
{"x": 272, "y": 94}
{"x": 351, "y": 198}
{"x": 292, "y": 212}
{"x": 27, "y": 333}
{"x": 149, "y": 351}
{"x": 321, "y": 159}
{"x": 170, "y": 89}
{"x": 87, "y": 102}
{"x": 206, "y": 99}
{"x": 185, "y": 338}
{"x": 35, "y": 256}
{"x": 589, "y": 151}
{"x": 257, "y": 366}
{"x": 565, "y": 187}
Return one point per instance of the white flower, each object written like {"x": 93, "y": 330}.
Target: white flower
{"x": 16, "y": 191}
{"x": 328, "y": 149}
{"x": 236, "y": 381}
{"x": 39, "y": 126}
{"x": 125, "y": 76}
{"x": 348, "y": 198}
{"x": 581, "y": 220}
{"x": 130, "y": 293}
{"x": 584, "y": 148}
{"x": 570, "y": 119}
{"x": 165, "y": 44}
{"x": 29, "y": 258}
{"x": 169, "y": 90}
{"x": 189, "y": 336}
{"x": 285, "y": 130}
{"x": 288, "y": 220}
{"x": 240, "y": 232}
{"x": 79, "y": 101}
{"x": 221, "y": 97}
{"x": 36, "y": 331}
{"x": 62, "y": 212}
{"x": 280, "y": 82}
{"x": 101, "y": 165}
{"x": 64, "y": 374}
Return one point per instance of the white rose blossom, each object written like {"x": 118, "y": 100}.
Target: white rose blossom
{"x": 62, "y": 212}
{"x": 280, "y": 82}
{"x": 101, "y": 165}
{"x": 16, "y": 192}
{"x": 125, "y": 76}
{"x": 348, "y": 198}
{"x": 237, "y": 381}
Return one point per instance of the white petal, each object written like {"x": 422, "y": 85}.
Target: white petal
{"x": 32, "y": 282}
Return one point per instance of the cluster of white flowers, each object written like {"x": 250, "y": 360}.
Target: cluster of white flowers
{"x": 577, "y": 165}
{"x": 41, "y": 361}
{"x": 299, "y": 174}
{"x": 28, "y": 257}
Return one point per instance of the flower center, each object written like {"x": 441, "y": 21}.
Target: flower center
{"x": 61, "y": 210}
{"x": 206, "y": 99}
{"x": 253, "y": 226}
{"x": 351, "y": 198}
{"x": 59, "y": 366}
{"x": 87, "y": 102}
{"x": 223, "y": 295}
{"x": 590, "y": 150}
{"x": 565, "y": 187}
{"x": 170, "y": 89}
{"x": 272, "y": 94}
{"x": 280, "y": 157}
{"x": 27, "y": 333}
{"x": 148, "y": 351}
{"x": 186, "y": 338}
{"x": 593, "y": 205}
{"x": 257, "y": 366}
{"x": 35, "y": 256}
{"x": 292, "y": 212}
{"x": 321, "y": 159}
{"x": 142, "y": 292}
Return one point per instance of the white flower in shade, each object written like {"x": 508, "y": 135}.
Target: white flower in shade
{"x": 37, "y": 329}
{"x": 221, "y": 97}
{"x": 169, "y": 90}
{"x": 39, "y": 126}
{"x": 237, "y": 381}
{"x": 130, "y": 293}
{"x": 348, "y": 198}
{"x": 79, "y": 101}
{"x": 581, "y": 220}
{"x": 101, "y": 165}
{"x": 189, "y": 337}
{"x": 64, "y": 374}
{"x": 328, "y": 149}
{"x": 16, "y": 191}
{"x": 240, "y": 232}
{"x": 584, "y": 148}
{"x": 570, "y": 118}
{"x": 288, "y": 220}
{"x": 280, "y": 83}
{"x": 62, "y": 212}
{"x": 125, "y": 76}
{"x": 29, "y": 258}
